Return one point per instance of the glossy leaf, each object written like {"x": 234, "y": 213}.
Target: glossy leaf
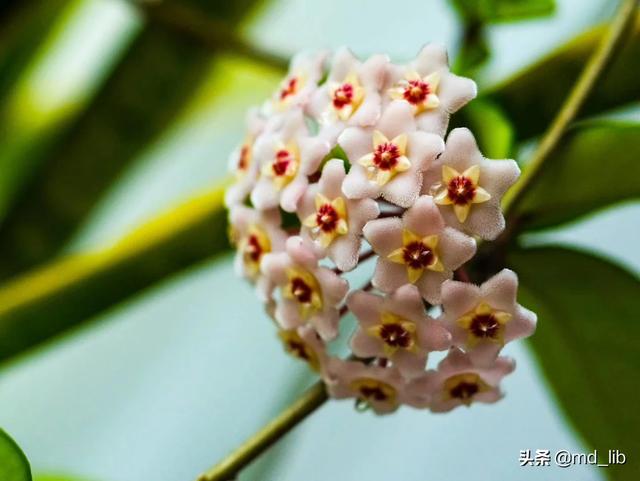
{"x": 532, "y": 97}
{"x": 587, "y": 343}
{"x": 148, "y": 89}
{"x": 14, "y": 465}
{"x": 45, "y": 302}
{"x": 594, "y": 167}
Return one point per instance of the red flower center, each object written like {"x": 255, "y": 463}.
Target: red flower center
{"x": 395, "y": 335}
{"x": 416, "y": 91}
{"x": 243, "y": 159}
{"x": 464, "y": 390}
{"x": 386, "y": 155}
{"x": 281, "y": 162}
{"x": 253, "y": 250}
{"x": 417, "y": 255}
{"x": 485, "y": 326}
{"x": 373, "y": 392}
{"x": 298, "y": 349}
{"x": 343, "y": 95}
{"x": 301, "y": 290}
{"x": 327, "y": 218}
{"x": 461, "y": 190}
{"x": 289, "y": 88}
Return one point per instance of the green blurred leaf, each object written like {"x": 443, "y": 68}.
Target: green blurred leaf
{"x": 491, "y": 127}
{"x": 494, "y": 11}
{"x": 14, "y": 465}
{"x": 532, "y": 97}
{"x": 587, "y": 343}
{"x": 595, "y": 166}
{"x": 150, "y": 86}
{"x": 47, "y": 301}
{"x": 55, "y": 477}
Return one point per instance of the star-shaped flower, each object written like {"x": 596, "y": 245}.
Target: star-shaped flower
{"x": 351, "y": 94}
{"x": 332, "y": 221}
{"x": 396, "y": 327}
{"x": 430, "y": 88}
{"x": 241, "y": 161}
{"x": 255, "y": 234}
{"x": 458, "y": 381}
{"x": 379, "y": 388}
{"x": 417, "y": 249}
{"x": 305, "y": 71}
{"x": 483, "y": 318}
{"x": 287, "y": 155}
{"x": 389, "y": 159}
{"x": 468, "y": 188}
{"x": 309, "y": 293}
{"x": 305, "y": 343}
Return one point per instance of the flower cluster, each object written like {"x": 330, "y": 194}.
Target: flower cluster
{"x": 347, "y": 162}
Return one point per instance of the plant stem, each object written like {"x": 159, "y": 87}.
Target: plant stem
{"x": 590, "y": 76}
{"x": 230, "y": 466}
{"x": 207, "y": 31}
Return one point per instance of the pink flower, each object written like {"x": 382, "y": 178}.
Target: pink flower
{"x": 427, "y": 85}
{"x": 241, "y": 161}
{"x": 305, "y": 71}
{"x": 389, "y": 160}
{"x": 333, "y": 222}
{"x": 380, "y": 388}
{"x": 417, "y": 249}
{"x": 396, "y": 327}
{"x": 483, "y": 318}
{"x": 351, "y": 94}
{"x": 255, "y": 234}
{"x": 287, "y": 155}
{"x": 468, "y": 188}
{"x": 457, "y": 382}
{"x": 308, "y": 293}
{"x": 305, "y": 343}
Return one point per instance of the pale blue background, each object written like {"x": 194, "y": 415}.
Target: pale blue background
{"x": 164, "y": 385}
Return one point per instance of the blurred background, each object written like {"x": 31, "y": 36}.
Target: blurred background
{"x": 116, "y": 121}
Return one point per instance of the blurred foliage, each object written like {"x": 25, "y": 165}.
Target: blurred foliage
{"x": 14, "y": 465}
{"x": 586, "y": 343}
{"x": 491, "y": 127}
{"x": 596, "y": 166}
{"x": 141, "y": 98}
{"x": 532, "y": 97}
{"x": 475, "y": 15}
{"x": 47, "y": 301}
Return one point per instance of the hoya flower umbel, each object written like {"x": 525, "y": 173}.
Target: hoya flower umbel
{"x": 397, "y": 328}
{"x": 331, "y": 220}
{"x": 468, "y": 188}
{"x": 288, "y": 155}
{"x": 305, "y": 71}
{"x": 389, "y": 159}
{"x": 309, "y": 293}
{"x": 417, "y": 249}
{"x": 430, "y": 88}
{"x": 459, "y": 382}
{"x": 483, "y": 318}
{"x": 351, "y": 94}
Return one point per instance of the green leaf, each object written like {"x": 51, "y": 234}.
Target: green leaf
{"x": 490, "y": 126}
{"x": 595, "y": 166}
{"x": 587, "y": 343}
{"x": 532, "y": 97}
{"x": 151, "y": 85}
{"x": 50, "y": 300}
{"x": 14, "y": 465}
{"x": 495, "y": 11}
